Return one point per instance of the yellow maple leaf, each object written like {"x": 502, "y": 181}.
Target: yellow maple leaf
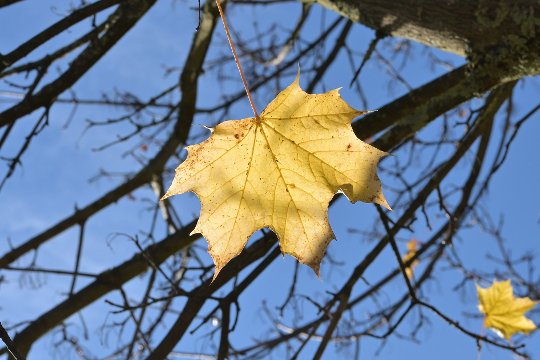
{"x": 411, "y": 251}
{"x": 279, "y": 172}
{"x": 505, "y": 313}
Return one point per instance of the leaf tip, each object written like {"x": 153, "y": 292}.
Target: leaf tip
{"x": 216, "y": 273}
{"x": 381, "y": 200}
{"x": 209, "y": 128}
{"x": 167, "y": 194}
{"x": 316, "y": 269}
{"x": 196, "y": 229}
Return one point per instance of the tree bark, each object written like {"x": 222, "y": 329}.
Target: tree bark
{"x": 506, "y": 29}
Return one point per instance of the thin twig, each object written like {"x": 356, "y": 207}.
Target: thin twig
{"x": 395, "y": 249}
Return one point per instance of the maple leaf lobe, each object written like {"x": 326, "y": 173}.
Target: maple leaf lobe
{"x": 412, "y": 246}
{"x": 280, "y": 173}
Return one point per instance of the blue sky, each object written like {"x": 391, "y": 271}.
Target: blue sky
{"x": 56, "y": 169}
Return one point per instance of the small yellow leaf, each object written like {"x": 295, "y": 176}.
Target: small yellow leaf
{"x": 505, "y": 313}
{"x": 411, "y": 251}
{"x": 279, "y": 172}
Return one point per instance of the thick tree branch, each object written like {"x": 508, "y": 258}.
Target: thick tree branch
{"x": 123, "y": 19}
{"x": 410, "y": 112}
{"x": 504, "y": 29}
{"x": 8, "y": 2}
{"x": 188, "y": 87}
{"x": 107, "y": 281}
{"x": 482, "y": 128}
{"x": 53, "y": 30}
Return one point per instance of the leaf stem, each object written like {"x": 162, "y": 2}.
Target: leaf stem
{"x": 237, "y": 62}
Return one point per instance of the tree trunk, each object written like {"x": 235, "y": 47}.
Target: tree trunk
{"x": 505, "y": 30}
